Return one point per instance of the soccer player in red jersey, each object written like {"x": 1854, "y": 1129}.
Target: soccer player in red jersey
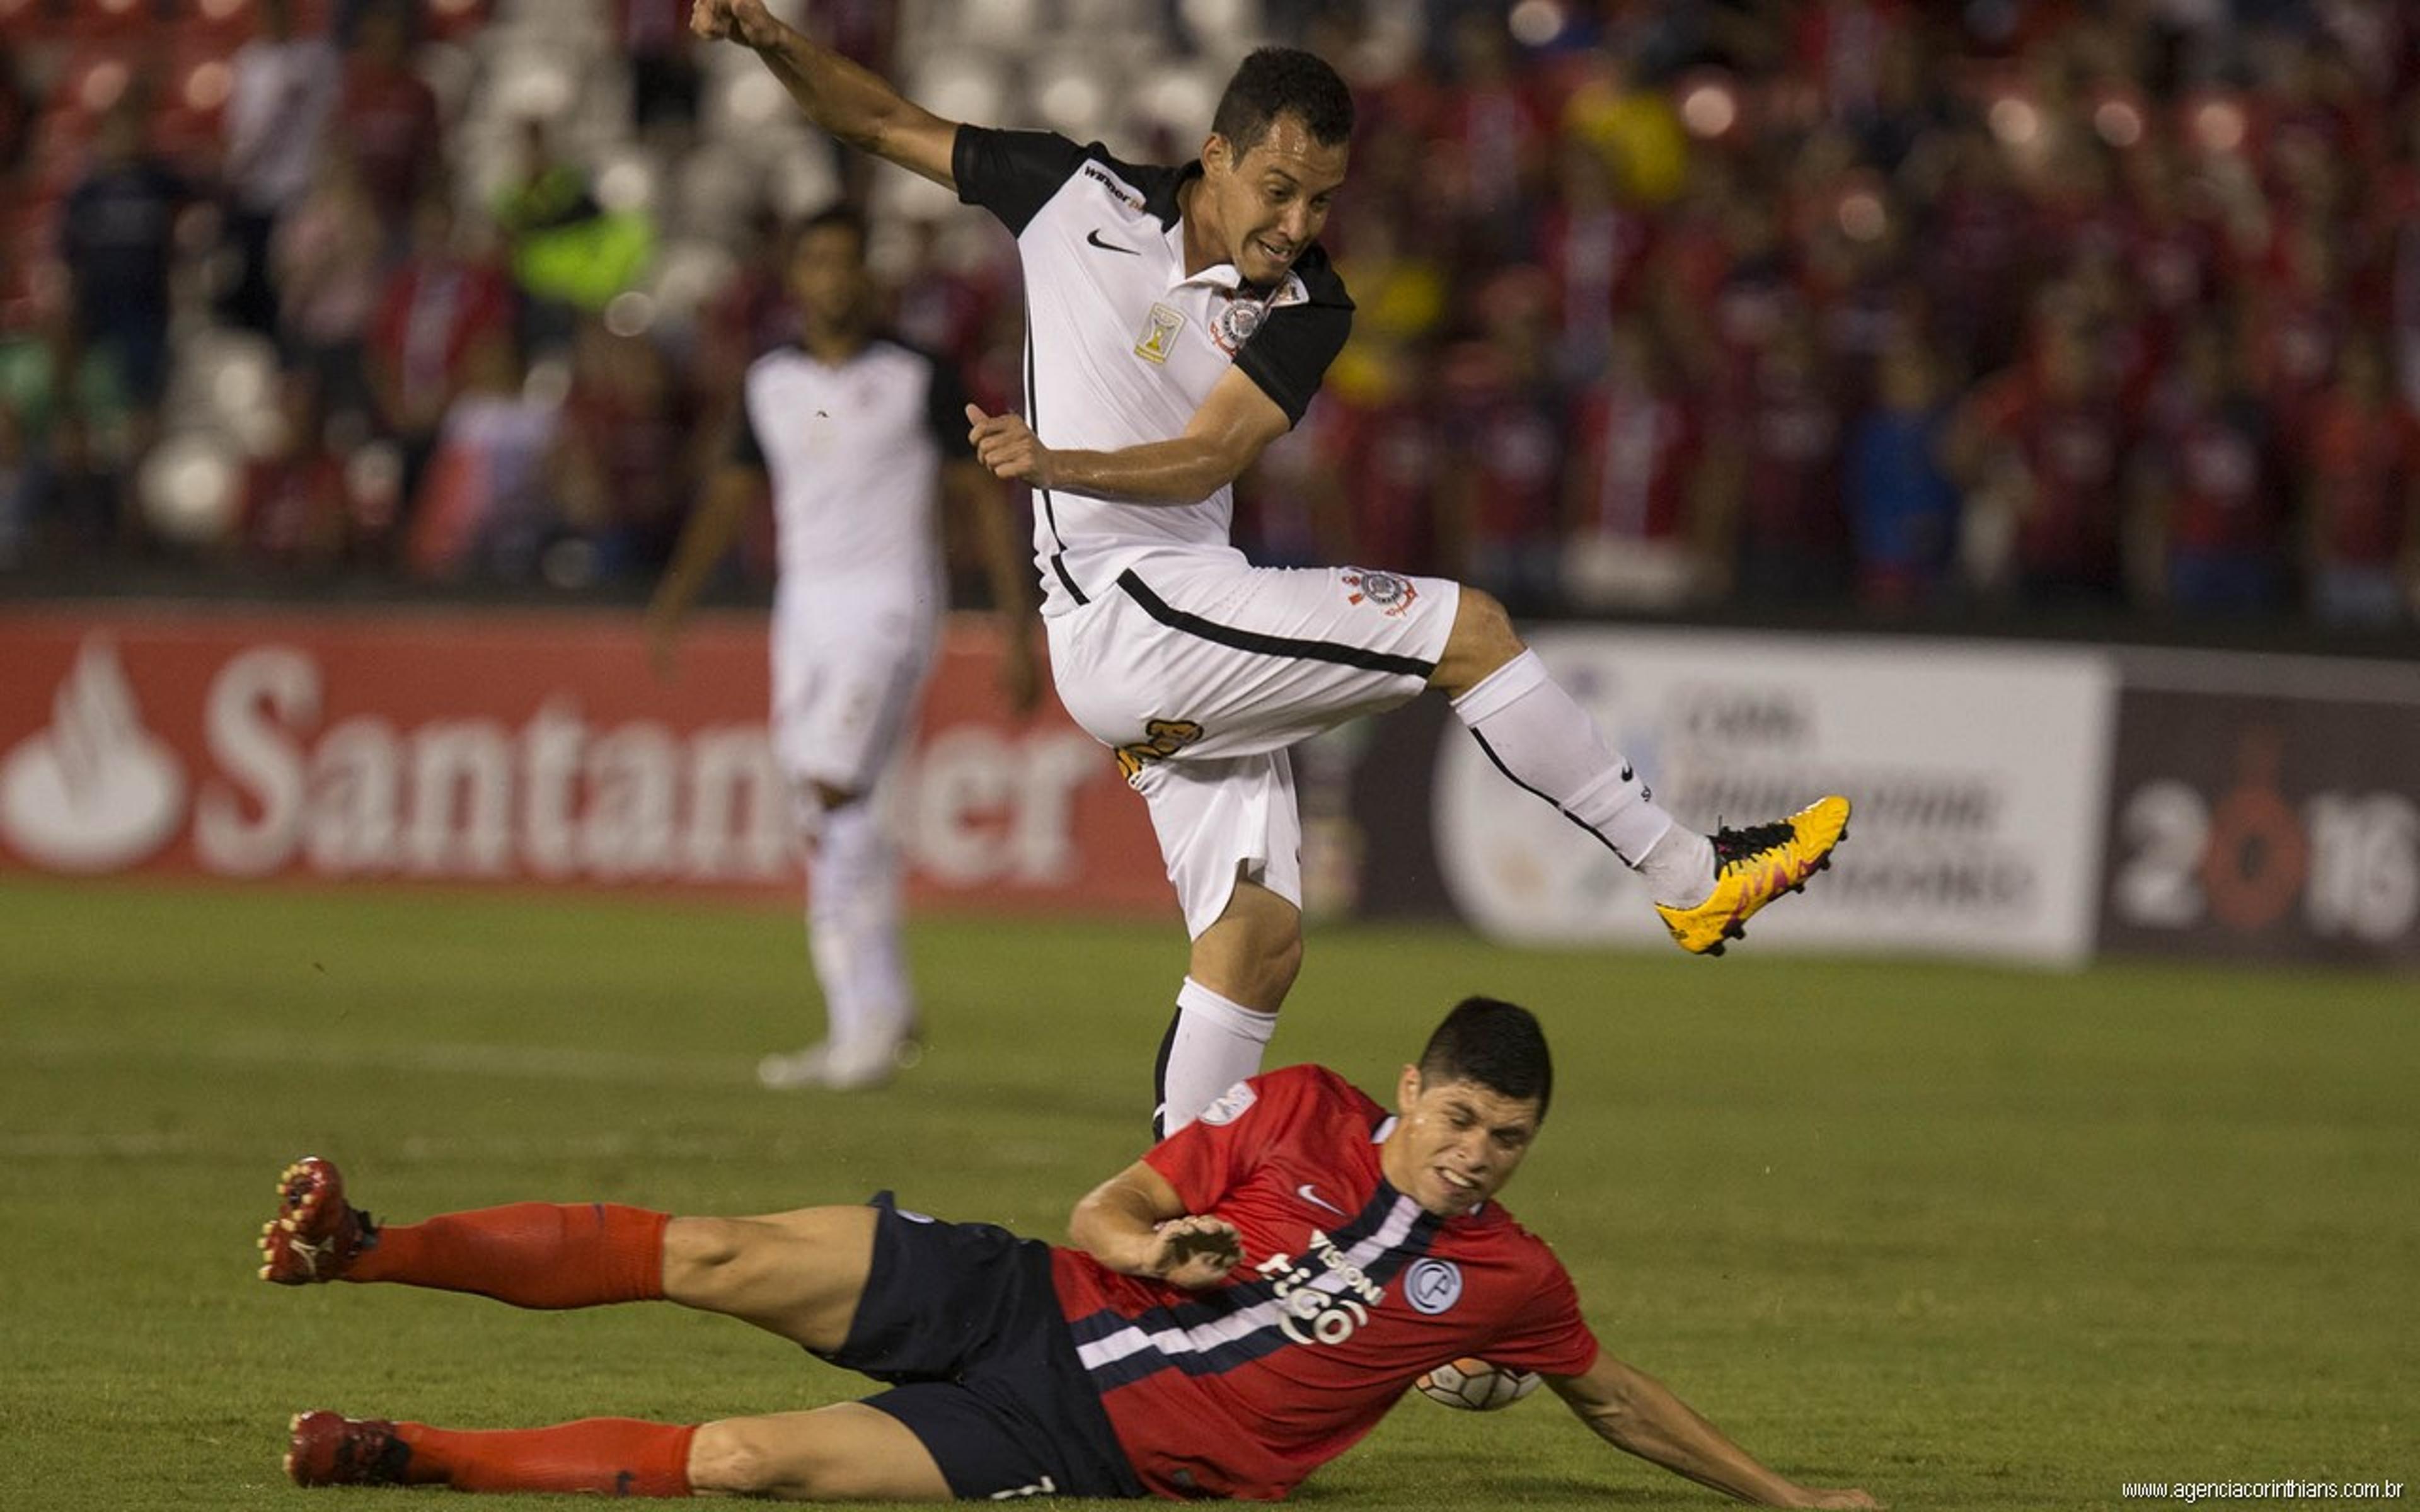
{"x": 1241, "y": 1306}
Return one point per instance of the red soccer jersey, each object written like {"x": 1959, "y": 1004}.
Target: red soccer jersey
{"x": 1348, "y": 1291}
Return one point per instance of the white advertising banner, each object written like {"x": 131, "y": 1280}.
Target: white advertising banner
{"x": 1978, "y": 774}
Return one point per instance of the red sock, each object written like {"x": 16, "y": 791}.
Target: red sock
{"x": 529, "y": 1253}
{"x": 616, "y": 1456}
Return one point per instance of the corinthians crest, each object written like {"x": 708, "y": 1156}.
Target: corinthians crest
{"x": 1237, "y": 316}
{"x": 1384, "y": 591}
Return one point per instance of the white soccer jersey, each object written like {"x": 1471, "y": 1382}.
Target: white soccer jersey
{"x": 1122, "y": 346}
{"x": 855, "y": 452}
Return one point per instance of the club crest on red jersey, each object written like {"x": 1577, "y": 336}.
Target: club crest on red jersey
{"x": 1432, "y": 1285}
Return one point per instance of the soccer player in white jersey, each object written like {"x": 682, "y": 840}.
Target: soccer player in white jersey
{"x": 1178, "y": 321}
{"x": 858, "y": 436}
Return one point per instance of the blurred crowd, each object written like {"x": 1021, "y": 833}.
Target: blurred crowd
{"x": 2008, "y": 304}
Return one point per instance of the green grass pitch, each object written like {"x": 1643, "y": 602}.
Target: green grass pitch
{"x": 1970, "y": 1238}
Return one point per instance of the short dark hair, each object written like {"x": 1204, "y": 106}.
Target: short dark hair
{"x": 1498, "y": 1045}
{"x": 841, "y": 213}
{"x": 1283, "y": 81}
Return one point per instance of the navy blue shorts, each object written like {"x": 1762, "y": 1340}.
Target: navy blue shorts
{"x": 962, "y": 1321}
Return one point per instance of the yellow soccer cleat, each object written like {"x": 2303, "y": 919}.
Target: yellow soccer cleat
{"x": 1753, "y": 866}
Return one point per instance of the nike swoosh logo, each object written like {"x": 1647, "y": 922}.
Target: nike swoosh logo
{"x": 1094, "y": 238}
{"x": 1306, "y": 1195}
{"x": 1627, "y": 775}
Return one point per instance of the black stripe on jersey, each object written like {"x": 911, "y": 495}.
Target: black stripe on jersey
{"x": 1265, "y": 1340}
{"x": 1050, "y": 511}
{"x": 1525, "y": 787}
{"x": 1270, "y": 645}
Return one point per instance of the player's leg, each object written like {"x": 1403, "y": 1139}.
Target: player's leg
{"x": 1232, "y": 838}
{"x": 847, "y": 1452}
{"x": 1200, "y": 674}
{"x": 844, "y": 699}
{"x": 854, "y": 941}
{"x": 1704, "y": 886}
{"x": 1235, "y": 980}
{"x": 800, "y": 1275}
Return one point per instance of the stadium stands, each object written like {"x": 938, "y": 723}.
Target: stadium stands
{"x": 1663, "y": 308}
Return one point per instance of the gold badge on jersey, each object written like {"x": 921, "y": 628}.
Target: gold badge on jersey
{"x": 1159, "y": 334}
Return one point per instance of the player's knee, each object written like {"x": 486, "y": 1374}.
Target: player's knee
{"x": 1482, "y": 640}
{"x": 786, "y": 1459}
{"x": 700, "y": 1257}
{"x": 735, "y": 1458}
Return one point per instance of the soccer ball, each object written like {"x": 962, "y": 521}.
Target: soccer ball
{"x": 1476, "y": 1387}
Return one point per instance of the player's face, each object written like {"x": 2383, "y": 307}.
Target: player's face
{"x": 1273, "y": 197}
{"x": 828, "y": 277}
{"x": 1455, "y": 1144}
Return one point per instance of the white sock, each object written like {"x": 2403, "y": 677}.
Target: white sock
{"x": 1213, "y": 1045}
{"x": 853, "y": 928}
{"x": 1680, "y": 867}
{"x": 1544, "y": 742}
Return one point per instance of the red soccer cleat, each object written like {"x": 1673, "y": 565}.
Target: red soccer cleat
{"x": 329, "y": 1449}
{"x": 316, "y": 1233}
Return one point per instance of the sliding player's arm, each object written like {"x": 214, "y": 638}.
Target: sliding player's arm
{"x": 1638, "y": 1414}
{"x": 1135, "y": 1224}
{"x": 843, "y": 99}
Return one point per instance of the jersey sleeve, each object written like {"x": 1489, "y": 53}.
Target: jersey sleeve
{"x": 1215, "y": 1153}
{"x": 1290, "y": 354}
{"x": 1012, "y": 174}
{"x": 946, "y": 412}
{"x": 1548, "y": 1334}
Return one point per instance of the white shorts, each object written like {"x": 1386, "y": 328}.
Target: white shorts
{"x": 847, "y": 675}
{"x": 1200, "y": 670}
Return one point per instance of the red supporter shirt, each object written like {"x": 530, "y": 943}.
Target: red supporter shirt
{"x": 1637, "y": 451}
{"x": 1349, "y": 1290}
{"x": 389, "y": 117}
{"x": 2223, "y": 492}
{"x": 2072, "y": 451}
{"x": 2365, "y": 464}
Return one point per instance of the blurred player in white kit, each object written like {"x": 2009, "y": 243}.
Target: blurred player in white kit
{"x": 860, "y": 438}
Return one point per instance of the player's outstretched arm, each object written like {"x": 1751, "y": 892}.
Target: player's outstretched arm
{"x": 1135, "y": 1224}
{"x": 1234, "y": 425}
{"x": 842, "y": 99}
{"x": 1638, "y": 1414}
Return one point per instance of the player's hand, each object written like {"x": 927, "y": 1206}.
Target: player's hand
{"x": 745, "y": 21}
{"x": 1007, "y": 445}
{"x": 1197, "y": 1251}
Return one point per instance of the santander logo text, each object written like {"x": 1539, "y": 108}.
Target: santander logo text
{"x": 275, "y": 769}
{"x": 473, "y": 797}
